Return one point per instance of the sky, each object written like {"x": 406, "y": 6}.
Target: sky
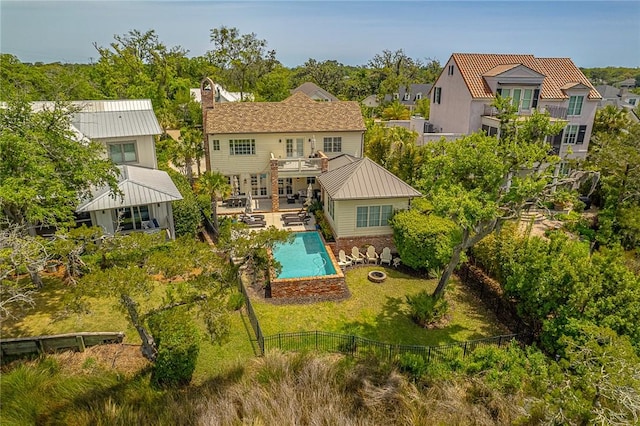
{"x": 592, "y": 33}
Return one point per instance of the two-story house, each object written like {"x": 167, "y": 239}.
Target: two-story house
{"x": 127, "y": 129}
{"x": 315, "y": 92}
{"x": 274, "y": 149}
{"x": 468, "y": 83}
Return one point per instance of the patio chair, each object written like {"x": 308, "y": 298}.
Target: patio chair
{"x": 254, "y": 223}
{"x": 344, "y": 260}
{"x": 356, "y": 256}
{"x": 372, "y": 256}
{"x": 293, "y": 220}
{"x": 385, "y": 256}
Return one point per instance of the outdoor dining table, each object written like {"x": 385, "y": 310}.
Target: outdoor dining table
{"x": 236, "y": 201}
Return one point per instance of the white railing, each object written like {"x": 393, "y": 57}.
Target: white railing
{"x": 299, "y": 165}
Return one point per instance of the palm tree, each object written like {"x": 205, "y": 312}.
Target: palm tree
{"x": 215, "y": 185}
{"x": 188, "y": 150}
{"x": 396, "y": 111}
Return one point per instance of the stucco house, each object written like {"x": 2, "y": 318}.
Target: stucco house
{"x": 275, "y": 149}
{"x": 468, "y": 83}
{"x": 127, "y": 129}
{"x": 359, "y": 197}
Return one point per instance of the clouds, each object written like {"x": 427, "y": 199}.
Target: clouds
{"x": 591, "y": 33}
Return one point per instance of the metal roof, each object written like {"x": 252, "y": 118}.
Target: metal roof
{"x": 365, "y": 179}
{"x": 110, "y": 118}
{"x": 113, "y": 124}
{"x": 341, "y": 160}
{"x": 139, "y": 185}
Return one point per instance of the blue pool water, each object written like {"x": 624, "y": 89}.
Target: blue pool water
{"x": 305, "y": 257}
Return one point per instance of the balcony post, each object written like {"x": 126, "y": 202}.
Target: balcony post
{"x": 275, "y": 198}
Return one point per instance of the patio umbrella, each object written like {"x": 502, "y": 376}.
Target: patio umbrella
{"x": 234, "y": 185}
{"x": 313, "y": 144}
{"x": 248, "y": 209}
{"x": 309, "y": 195}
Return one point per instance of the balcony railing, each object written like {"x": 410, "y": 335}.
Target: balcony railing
{"x": 554, "y": 111}
{"x": 295, "y": 165}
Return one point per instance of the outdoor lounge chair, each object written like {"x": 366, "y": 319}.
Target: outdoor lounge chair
{"x": 385, "y": 256}
{"x": 344, "y": 260}
{"x": 254, "y": 223}
{"x": 372, "y": 256}
{"x": 356, "y": 256}
{"x": 295, "y": 220}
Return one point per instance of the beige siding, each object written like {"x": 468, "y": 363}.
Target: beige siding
{"x": 145, "y": 149}
{"x": 273, "y": 143}
{"x": 345, "y": 216}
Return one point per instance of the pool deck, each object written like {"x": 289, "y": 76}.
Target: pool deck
{"x": 263, "y": 207}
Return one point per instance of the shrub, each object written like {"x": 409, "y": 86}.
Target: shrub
{"x": 235, "y": 301}
{"x": 424, "y": 309}
{"x": 424, "y": 241}
{"x": 186, "y": 212}
{"x": 177, "y": 338}
{"x": 325, "y": 228}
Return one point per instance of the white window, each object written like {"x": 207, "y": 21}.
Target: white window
{"x": 123, "y": 152}
{"x": 333, "y": 144}
{"x": 299, "y": 148}
{"x": 570, "y": 134}
{"x": 407, "y": 96}
{"x": 632, "y": 101}
{"x": 311, "y": 180}
{"x": 285, "y": 186}
{"x": 575, "y": 105}
{"x": 259, "y": 184}
{"x": 332, "y": 208}
{"x": 242, "y": 146}
{"x": 419, "y": 96}
{"x": 216, "y": 144}
{"x": 370, "y": 216}
{"x": 130, "y": 218}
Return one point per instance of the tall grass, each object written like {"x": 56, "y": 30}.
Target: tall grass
{"x": 279, "y": 389}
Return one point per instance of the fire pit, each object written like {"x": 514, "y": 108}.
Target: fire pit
{"x": 377, "y": 276}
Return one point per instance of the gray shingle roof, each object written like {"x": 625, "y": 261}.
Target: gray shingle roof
{"x": 139, "y": 185}
{"x": 365, "y": 179}
{"x": 313, "y": 90}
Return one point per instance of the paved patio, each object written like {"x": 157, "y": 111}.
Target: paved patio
{"x": 263, "y": 206}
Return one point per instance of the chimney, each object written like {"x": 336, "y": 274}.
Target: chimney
{"x": 207, "y": 100}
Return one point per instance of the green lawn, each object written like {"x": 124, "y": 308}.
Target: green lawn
{"x": 50, "y": 316}
{"x": 375, "y": 311}
{"x": 378, "y": 312}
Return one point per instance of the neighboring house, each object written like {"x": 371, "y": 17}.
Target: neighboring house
{"x": 407, "y": 96}
{"x": 621, "y": 98}
{"x": 221, "y": 95}
{"x": 315, "y": 92}
{"x": 275, "y": 149}
{"x": 127, "y": 129}
{"x": 463, "y": 92}
{"x": 629, "y": 83}
{"x": 359, "y": 197}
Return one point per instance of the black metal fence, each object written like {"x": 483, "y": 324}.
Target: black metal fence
{"x": 357, "y": 346}
{"x": 253, "y": 319}
{"x": 324, "y": 341}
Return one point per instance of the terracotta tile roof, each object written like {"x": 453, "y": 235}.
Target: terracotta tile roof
{"x": 557, "y": 71}
{"x": 297, "y": 113}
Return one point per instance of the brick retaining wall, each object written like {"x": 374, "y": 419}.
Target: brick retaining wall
{"x": 329, "y": 287}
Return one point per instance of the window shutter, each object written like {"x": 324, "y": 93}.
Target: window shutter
{"x": 556, "y": 142}
{"x": 581, "y": 133}
{"x": 536, "y": 95}
{"x": 499, "y": 92}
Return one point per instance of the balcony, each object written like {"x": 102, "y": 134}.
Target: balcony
{"x": 555, "y": 112}
{"x": 299, "y": 167}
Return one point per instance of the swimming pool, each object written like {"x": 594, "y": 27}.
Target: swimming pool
{"x": 305, "y": 257}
